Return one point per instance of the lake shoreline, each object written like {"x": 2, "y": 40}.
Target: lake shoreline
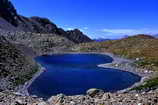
{"x": 115, "y": 64}
{"x": 123, "y": 64}
{"x": 126, "y": 65}
{"x": 24, "y": 88}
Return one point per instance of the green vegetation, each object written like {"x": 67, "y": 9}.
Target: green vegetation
{"x": 21, "y": 79}
{"x": 15, "y": 66}
{"x": 149, "y": 84}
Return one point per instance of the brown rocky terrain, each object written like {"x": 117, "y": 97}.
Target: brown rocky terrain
{"x": 40, "y": 44}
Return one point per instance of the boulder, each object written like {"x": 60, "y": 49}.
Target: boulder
{"x": 20, "y": 102}
{"x": 137, "y": 59}
{"x": 42, "y": 103}
{"x": 93, "y": 92}
{"x": 57, "y": 100}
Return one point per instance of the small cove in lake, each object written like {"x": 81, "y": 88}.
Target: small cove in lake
{"x": 74, "y": 74}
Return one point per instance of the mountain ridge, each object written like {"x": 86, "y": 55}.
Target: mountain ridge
{"x": 10, "y": 20}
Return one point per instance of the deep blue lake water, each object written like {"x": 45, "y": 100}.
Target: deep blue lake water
{"x": 74, "y": 74}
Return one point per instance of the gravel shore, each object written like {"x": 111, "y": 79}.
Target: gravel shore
{"x": 24, "y": 88}
{"x": 146, "y": 98}
{"x": 128, "y": 65}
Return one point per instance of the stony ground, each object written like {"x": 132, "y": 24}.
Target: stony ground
{"x": 8, "y": 98}
{"x": 150, "y": 98}
{"x": 108, "y": 99}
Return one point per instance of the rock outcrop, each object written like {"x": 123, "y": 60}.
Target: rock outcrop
{"x": 77, "y": 36}
{"x": 93, "y": 92}
{"x": 8, "y": 12}
{"x": 40, "y": 44}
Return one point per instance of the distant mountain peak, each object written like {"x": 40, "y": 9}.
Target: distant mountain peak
{"x": 101, "y": 39}
{"x": 142, "y": 36}
{"x": 77, "y": 34}
{"x": 156, "y": 35}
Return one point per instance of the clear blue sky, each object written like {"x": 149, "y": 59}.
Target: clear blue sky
{"x": 96, "y": 18}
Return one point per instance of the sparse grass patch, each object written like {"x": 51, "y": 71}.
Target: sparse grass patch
{"x": 149, "y": 84}
{"x": 21, "y": 79}
{"x": 148, "y": 64}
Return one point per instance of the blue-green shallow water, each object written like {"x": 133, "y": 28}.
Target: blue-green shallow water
{"x": 74, "y": 74}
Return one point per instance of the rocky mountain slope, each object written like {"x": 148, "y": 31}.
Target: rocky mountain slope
{"x": 40, "y": 44}
{"x": 10, "y": 20}
{"x": 15, "y": 67}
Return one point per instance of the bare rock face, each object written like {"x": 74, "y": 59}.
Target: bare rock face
{"x": 45, "y": 24}
{"x": 77, "y": 36}
{"x": 8, "y": 12}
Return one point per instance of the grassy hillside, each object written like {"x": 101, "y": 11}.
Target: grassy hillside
{"x": 144, "y": 47}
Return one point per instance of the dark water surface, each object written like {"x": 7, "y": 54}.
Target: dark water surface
{"x": 74, "y": 74}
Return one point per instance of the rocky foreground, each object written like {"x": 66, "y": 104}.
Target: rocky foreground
{"x": 25, "y": 38}
{"x": 150, "y": 98}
